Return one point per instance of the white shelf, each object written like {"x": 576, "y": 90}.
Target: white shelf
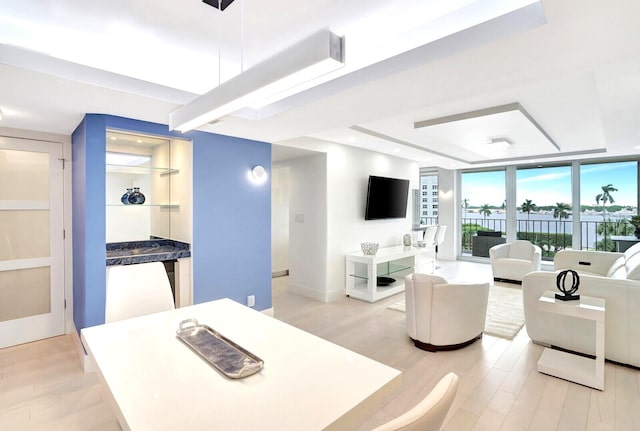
{"x": 140, "y": 170}
{"x": 569, "y": 366}
{"x": 362, "y": 271}
{"x": 144, "y": 205}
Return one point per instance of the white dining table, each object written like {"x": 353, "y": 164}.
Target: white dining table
{"x": 155, "y": 382}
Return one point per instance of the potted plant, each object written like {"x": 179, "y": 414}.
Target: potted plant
{"x": 635, "y": 221}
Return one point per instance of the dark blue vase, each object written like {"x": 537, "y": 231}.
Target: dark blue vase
{"x": 136, "y": 197}
{"x": 125, "y": 197}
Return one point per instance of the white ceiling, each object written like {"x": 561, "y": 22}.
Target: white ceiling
{"x": 573, "y": 65}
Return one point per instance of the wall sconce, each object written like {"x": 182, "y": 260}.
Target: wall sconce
{"x": 258, "y": 174}
{"x": 446, "y": 193}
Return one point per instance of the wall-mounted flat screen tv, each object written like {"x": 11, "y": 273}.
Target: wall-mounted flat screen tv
{"x": 386, "y": 198}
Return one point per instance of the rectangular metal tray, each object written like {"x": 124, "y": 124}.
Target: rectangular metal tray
{"x": 223, "y": 354}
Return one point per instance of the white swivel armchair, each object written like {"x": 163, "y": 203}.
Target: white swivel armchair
{"x": 444, "y": 316}
{"x": 511, "y": 262}
{"x": 428, "y": 414}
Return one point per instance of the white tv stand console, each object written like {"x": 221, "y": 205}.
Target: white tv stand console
{"x": 362, "y": 271}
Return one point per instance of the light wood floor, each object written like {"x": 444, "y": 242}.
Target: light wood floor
{"x": 42, "y": 386}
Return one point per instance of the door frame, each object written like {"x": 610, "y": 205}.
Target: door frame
{"x": 65, "y": 141}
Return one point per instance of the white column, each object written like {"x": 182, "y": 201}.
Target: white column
{"x": 576, "y": 226}
{"x": 512, "y": 205}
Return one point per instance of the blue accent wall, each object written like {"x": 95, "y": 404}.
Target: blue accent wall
{"x": 231, "y": 247}
{"x": 89, "y": 255}
{"x": 232, "y": 220}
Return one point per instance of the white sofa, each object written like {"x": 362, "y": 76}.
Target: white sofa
{"x": 444, "y": 316}
{"x": 612, "y": 276}
{"x": 510, "y": 262}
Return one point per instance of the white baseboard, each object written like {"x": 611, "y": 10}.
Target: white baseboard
{"x": 335, "y": 295}
{"x": 87, "y": 364}
{"x": 321, "y": 296}
{"x": 306, "y": 291}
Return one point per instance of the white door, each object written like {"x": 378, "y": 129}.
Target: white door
{"x": 31, "y": 241}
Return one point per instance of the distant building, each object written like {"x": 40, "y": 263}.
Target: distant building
{"x": 428, "y": 198}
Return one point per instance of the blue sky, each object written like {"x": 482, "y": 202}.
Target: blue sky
{"x": 547, "y": 186}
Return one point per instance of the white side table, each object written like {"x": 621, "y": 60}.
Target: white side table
{"x": 569, "y": 366}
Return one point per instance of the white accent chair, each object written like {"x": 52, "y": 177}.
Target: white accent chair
{"x": 444, "y": 316}
{"x": 428, "y": 414}
{"x": 136, "y": 290}
{"x": 511, "y": 262}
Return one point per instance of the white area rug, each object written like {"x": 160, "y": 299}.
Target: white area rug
{"x": 505, "y": 314}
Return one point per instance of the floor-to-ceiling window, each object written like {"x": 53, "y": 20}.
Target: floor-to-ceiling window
{"x": 544, "y": 216}
{"x": 482, "y": 204}
{"x": 541, "y": 207}
{"x": 608, "y": 197}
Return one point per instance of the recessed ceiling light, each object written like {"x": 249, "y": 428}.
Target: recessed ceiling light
{"x": 499, "y": 143}
{"x": 139, "y": 141}
{"x": 113, "y": 138}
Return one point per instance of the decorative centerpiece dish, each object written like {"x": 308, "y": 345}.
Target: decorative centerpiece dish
{"x": 370, "y": 248}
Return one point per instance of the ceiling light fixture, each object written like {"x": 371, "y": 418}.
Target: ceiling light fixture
{"x": 318, "y": 54}
{"x": 499, "y": 143}
{"x": 0, "y": 114}
{"x": 222, "y": 6}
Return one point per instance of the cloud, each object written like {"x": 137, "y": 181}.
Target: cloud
{"x": 545, "y": 177}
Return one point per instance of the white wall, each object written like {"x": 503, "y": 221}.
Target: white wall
{"x": 308, "y": 226}
{"x": 348, "y": 174}
{"x": 280, "y": 191}
{"x": 126, "y": 222}
{"x": 181, "y": 184}
{"x": 330, "y": 192}
{"x": 449, "y": 212}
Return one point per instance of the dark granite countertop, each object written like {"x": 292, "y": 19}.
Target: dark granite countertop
{"x": 155, "y": 250}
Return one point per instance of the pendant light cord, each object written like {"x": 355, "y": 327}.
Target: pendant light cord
{"x": 241, "y": 36}
{"x": 219, "y": 42}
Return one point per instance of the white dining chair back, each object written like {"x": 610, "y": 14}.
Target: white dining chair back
{"x": 442, "y": 229}
{"x": 136, "y": 290}
{"x": 430, "y": 235}
{"x": 430, "y": 413}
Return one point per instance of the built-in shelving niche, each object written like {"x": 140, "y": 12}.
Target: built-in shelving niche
{"x": 147, "y": 162}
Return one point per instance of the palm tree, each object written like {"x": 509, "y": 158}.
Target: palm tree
{"x": 526, "y": 207}
{"x": 465, "y": 204}
{"x": 605, "y": 197}
{"x": 485, "y": 211}
{"x": 561, "y": 211}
